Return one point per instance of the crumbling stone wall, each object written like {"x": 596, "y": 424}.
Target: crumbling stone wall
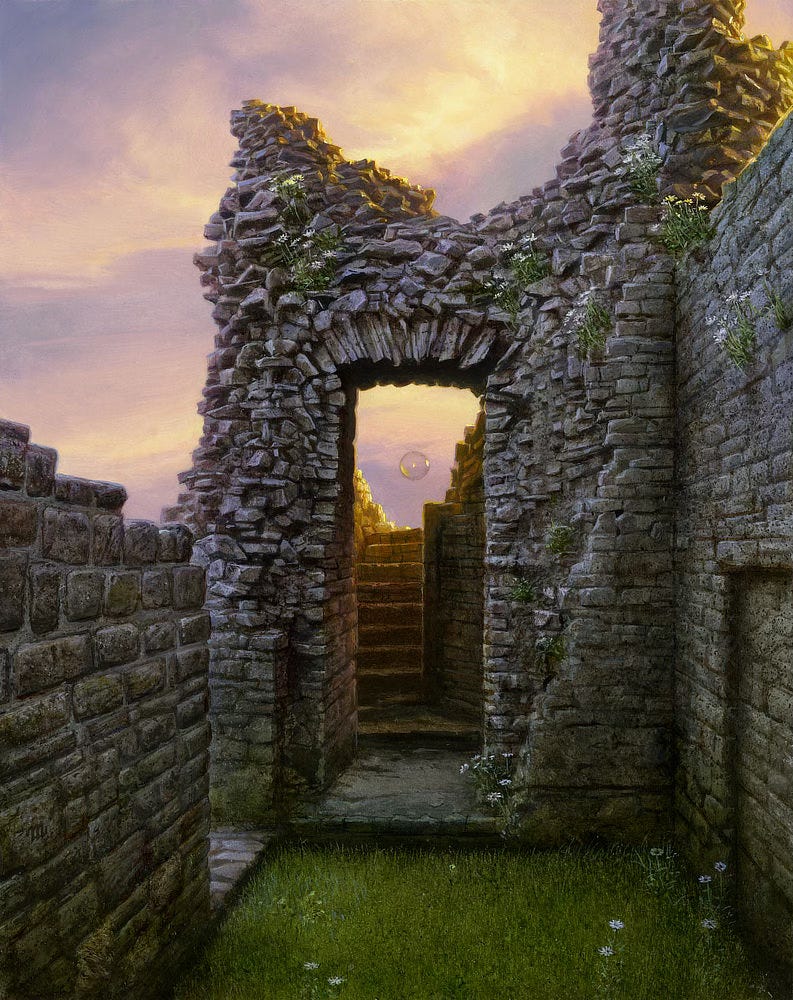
{"x": 734, "y": 680}
{"x": 103, "y": 737}
{"x": 368, "y": 516}
{"x": 454, "y": 552}
{"x": 586, "y": 443}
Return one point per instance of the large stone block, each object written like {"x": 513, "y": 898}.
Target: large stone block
{"x": 83, "y": 594}
{"x": 188, "y": 587}
{"x": 108, "y": 539}
{"x": 140, "y": 543}
{"x": 40, "y": 471}
{"x": 30, "y": 720}
{"x": 97, "y": 695}
{"x": 117, "y": 644}
{"x": 66, "y": 536}
{"x": 46, "y": 664}
{"x": 122, "y": 593}
{"x": 18, "y": 523}
{"x": 156, "y": 588}
{"x": 13, "y": 572}
{"x": 45, "y": 582}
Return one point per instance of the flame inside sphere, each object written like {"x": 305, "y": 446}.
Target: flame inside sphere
{"x": 414, "y": 465}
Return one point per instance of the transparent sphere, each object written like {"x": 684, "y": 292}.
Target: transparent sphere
{"x": 414, "y": 465}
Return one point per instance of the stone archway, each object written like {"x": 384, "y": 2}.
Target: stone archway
{"x": 278, "y": 541}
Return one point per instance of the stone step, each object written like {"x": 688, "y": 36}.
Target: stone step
{"x": 374, "y": 688}
{"x": 389, "y": 592}
{"x": 375, "y": 659}
{"x": 409, "y": 552}
{"x": 396, "y": 536}
{"x": 389, "y": 634}
{"x": 397, "y": 613}
{"x": 387, "y": 572}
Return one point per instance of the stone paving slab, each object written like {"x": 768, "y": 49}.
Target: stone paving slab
{"x": 232, "y": 855}
{"x": 398, "y": 790}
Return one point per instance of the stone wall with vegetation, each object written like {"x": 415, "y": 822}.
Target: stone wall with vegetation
{"x": 103, "y": 737}
{"x": 454, "y": 553}
{"x": 735, "y": 543}
{"x": 329, "y": 276}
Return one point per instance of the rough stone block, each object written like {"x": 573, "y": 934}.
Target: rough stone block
{"x": 40, "y": 470}
{"x": 108, "y": 540}
{"x": 45, "y": 664}
{"x": 97, "y": 695}
{"x": 66, "y": 536}
{"x": 12, "y": 456}
{"x": 195, "y": 628}
{"x": 176, "y": 544}
{"x": 156, "y": 588}
{"x": 45, "y": 581}
{"x": 18, "y": 523}
{"x": 188, "y": 587}
{"x": 159, "y": 636}
{"x": 30, "y": 720}
{"x": 145, "y": 678}
{"x": 83, "y": 594}
{"x": 140, "y": 543}
{"x": 13, "y": 572}
{"x": 192, "y": 661}
{"x": 122, "y": 593}
{"x": 117, "y": 644}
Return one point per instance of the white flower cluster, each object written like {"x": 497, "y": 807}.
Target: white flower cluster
{"x": 641, "y": 154}
{"x": 721, "y": 321}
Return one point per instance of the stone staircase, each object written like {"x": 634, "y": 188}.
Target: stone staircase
{"x": 390, "y": 611}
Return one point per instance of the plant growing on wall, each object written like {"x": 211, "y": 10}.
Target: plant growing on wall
{"x": 783, "y": 314}
{"x": 549, "y": 650}
{"x": 685, "y": 224}
{"x": 521, "y": 264}
{"x": 525, "y": 261}
{"x": 308, "y": 254}
{"x": 559, "y": 538}
{"x": 592, "y": 325}
{"x": 524, "y": 591}
{"x": 642, "y": 163}
{"x": 493, "y": 779}
{"x": 736, "y": 332}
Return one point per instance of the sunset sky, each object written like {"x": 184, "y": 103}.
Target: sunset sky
{"x": 114, "y": 142}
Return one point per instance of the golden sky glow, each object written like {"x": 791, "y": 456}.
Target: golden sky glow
{"x": 114, "y": 119}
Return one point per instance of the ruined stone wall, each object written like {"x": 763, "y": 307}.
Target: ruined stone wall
{"x": 103, "y": 737}
{"x": 578, "y": 441}
{"x": 454, "y": 550}
{"x": 368, "y": 516}
{"x": 734, "y": 681}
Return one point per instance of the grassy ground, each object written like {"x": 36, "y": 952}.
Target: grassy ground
{"x": 400, "y": 925}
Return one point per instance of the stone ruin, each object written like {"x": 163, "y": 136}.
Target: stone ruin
{"x": 643, "y": 493}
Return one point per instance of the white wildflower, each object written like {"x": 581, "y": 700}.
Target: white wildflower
{"x": 311, "y": 966}
{"x": 709, "y": 924}
{"x": 616, "y": 925}
{"x": 335, "y": 980}
{"x": 606, "y": 950}
{"x": 505, "y": 782}
{"x": 705, "y": 879}
{"x": 494, "y": 798}
{"x": 721, "y": 866}
{"x": 464, "y": 768}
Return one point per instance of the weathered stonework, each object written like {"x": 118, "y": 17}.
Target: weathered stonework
{"x": 642, "y": 488}
{"x": 582, "y": 442}
{"x": 734, "y": 679}
{"x": 103, "y": 737}
{"x": 454, "y": 543}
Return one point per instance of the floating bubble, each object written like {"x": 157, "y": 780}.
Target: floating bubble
{"x": 414, "y": 465}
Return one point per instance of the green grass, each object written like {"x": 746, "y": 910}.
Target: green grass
{"x": 471, "y": 926}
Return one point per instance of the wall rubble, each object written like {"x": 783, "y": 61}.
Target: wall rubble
{"x": 103, "y": 736}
